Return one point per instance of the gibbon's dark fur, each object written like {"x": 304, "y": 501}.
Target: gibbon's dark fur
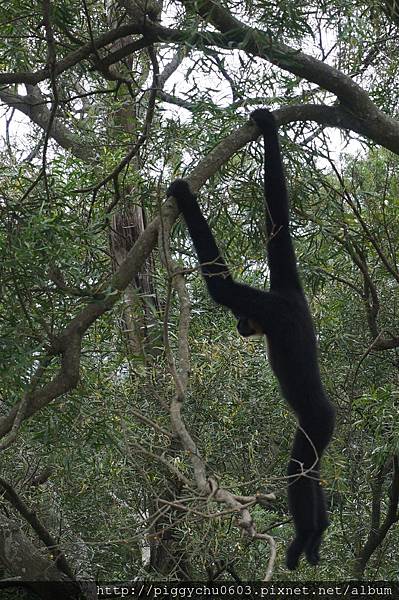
{"x": 282, "y": 314}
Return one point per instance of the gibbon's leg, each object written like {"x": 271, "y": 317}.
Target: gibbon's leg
{"x": 302, "y": 499}
{"x": 313, "y": 546}
{"x": 305, "y": 495}
{"x": 306, "y": 499}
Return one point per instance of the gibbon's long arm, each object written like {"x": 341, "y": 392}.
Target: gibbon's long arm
{"x": 259, "y": 305}
{"x": 280, "y": 251}
{"x": 213, "y": 266}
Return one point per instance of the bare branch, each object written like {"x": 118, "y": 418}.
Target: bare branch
{"x": 170, "y": 99}
{"x": 172, "y": 66}
{"x": 75, "y": 57}
{"x": 34, "y": 106}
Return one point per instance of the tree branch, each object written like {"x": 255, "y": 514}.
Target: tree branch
{"x": 378, "y": 530}
{"x": 76, "y": 56}
{"x": 43, "y": 534}
{"x": 262, "y": 44}
{"x": 356, "y": 104}
{"x": 387, "y": 344}
{"x": 34, "y": 106}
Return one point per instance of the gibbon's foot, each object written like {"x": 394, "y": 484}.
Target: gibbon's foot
{"x": 308, "y": 543}
{"x": 294, "y": 552}
{"x": 179, "y": 189}
{"x": 313, "y": 557}
{"x": 313, "y": 547}
{"x": 264, "y": 119}
{"x": 291, "y": 560}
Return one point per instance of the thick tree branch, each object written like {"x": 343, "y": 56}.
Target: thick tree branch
{"x": 19, "y": 556}
{"x": 360, "y": 111}
{"x": 262, "y": 44}
{"x": 387, "y": 344}
{"x": 64, "y": 381}
{"x": 118, "y": 55}
{"x": 75, "y": 57}
{"x": 30, "y": 517}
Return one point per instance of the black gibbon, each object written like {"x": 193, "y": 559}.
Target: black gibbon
{"x": 282, "y": 314}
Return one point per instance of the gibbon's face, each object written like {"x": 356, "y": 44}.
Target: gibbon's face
{"x": 248, "y": 327}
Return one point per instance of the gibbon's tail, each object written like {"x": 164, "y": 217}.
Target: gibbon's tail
{"x": 306, "y": 498}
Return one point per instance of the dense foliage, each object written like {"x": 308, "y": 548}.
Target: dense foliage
{"x": 101, "y": 108}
